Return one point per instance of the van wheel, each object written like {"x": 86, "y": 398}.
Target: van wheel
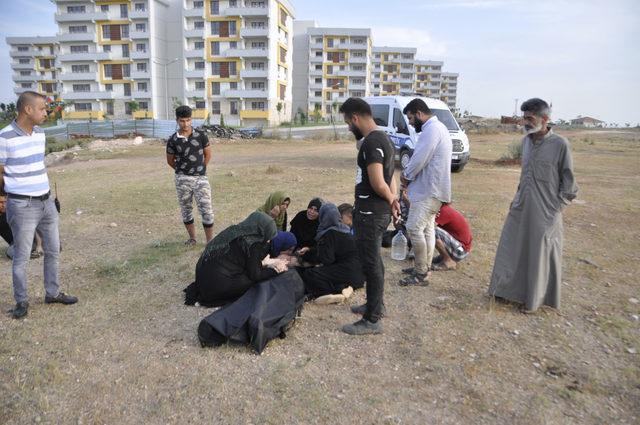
{"x": 405, "y": 157}
{"x": 457, "y": 168}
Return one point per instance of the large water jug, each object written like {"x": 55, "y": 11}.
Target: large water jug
{"x": 399, "y": 246}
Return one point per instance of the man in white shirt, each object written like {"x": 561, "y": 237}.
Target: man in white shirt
{"x": 427, "y": 178}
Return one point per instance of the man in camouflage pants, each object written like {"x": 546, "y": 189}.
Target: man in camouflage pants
{"x": 188, "y": 153}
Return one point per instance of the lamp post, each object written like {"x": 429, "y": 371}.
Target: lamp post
{"x": 166, "y": 83}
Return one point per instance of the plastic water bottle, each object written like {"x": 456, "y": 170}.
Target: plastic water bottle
{"x": 399, "y": 246}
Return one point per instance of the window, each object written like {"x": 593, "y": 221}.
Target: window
{"x": 319, "y": 53}
{"x": 199, "y": 45}
{"x": 215, "y": 7}
{"x": 198, "y": 4}
{"x": 318, "y": 80}
{"x": 124, "y": 31}
{"x": 106, "y": 32}
{"x": 215, "y": 108}
{"x": 76, "y": 9}
{"x": 198, "y": 65}
{"x": 199, "y": 85}
{"x": 257, "y": 65}
{"x": 233, "y": 44}
{"x": 141, "y": 47}
{"x": 141, "y": 67}
{"x": 109, "y": 108}
{"x": 81, "y": 87}
{"x": 257, "y": 106}
{"x": 77, "y": 29}
{"x": 257, "y": 85}
{"x": 139, "y": 7}
{"x": 283, "y": 91}
{"x": 25, "y": 85}
{"x": 124, "y": 10}
{"x": 80, "y": 49}
{"x": 233, "y": 107}
{"x": 258, "y": 25}
{"x": 215, "y": 28}
{"x": 144, "y": 106}
{"x": 108, "y": 70}
{"x": 201, "y": 104}
{"x": 24, "y": 60}
{"x": 319, "y": 40}
{"x": 142, "y": 87}
{"x": 127, "y": 89}
{"x": 77, "y": 69}
{"x": 125, "y": 50}
{"x": 318, "y": 94}
{"x": 25, "y": 72}
{"x": 141, "y": 27}
{"x": 215, "y": 68}
{"x": 380, "y": 114}
{"x": 198, "y": 25}
{"x": 215, "y": 48}
{"x": 104, "y": 8}
{"x": 215, "y": 88}
{"x": 82, "y": 106}
{"x": 318, "y": 67}
{"x": 126, "y": 70}
{"x": 258, "y": 45}
{"x": 399, "y": 123}
{"x": 106, "y": 48}
{"x": 108, "y": 87}
{"x": 233, "y": 85}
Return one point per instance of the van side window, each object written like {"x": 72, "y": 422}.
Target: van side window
{"x": 380, "y": 115}
{"x": 399, "y": 122}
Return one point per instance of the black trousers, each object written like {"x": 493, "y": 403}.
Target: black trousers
{"x": 369, "y": 229}
{"x": 5, "y": 230}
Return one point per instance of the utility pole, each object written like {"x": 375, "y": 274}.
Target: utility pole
{"x": 515, "y": 111}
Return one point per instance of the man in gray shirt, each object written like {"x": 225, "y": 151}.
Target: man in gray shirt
{"x": 427, "y": 178}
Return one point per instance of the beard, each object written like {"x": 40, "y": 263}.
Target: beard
{"x": 356, "y": 132}
{"x": 530, "y": 129}
{"x": 417, "y": 124}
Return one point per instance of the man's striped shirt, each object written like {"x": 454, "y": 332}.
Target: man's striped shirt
{"x": 22, "y": 156}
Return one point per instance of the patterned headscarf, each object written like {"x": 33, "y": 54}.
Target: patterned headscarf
{"x": 276, "y": 198}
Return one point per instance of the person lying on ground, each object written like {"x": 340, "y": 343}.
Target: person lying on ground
{"x": 232, "y": 262}
{"x": 336, "y": 255}
{"x": 276, "y": 206}
{"x": 305, "y": 224}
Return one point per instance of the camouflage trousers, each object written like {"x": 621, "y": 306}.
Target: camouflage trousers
{"x": 189, "y": 187}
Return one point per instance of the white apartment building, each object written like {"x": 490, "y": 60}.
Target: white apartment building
{"x": 33, "y": 65}
{"x": 428, "y": 77}
{"x": 238, "y": 60}
{"x": 332, "y": 64}
{"x": 392, "y": 70}
{"x": 449, "y": 89}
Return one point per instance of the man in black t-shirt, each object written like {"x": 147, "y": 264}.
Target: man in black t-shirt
{"x": 188, "y": 153}
{"x": 376, "y": 201}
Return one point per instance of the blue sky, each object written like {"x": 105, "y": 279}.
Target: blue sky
{"x": 583, "y": 56}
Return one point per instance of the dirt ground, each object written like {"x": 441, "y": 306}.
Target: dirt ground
{"x": 128, "y": 353}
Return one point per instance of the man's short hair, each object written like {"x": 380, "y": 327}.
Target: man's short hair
{"x": 27, "y": 98}
{"x": 355, "y": 106}
{"x": 416, "y": 105}
{"x": 345, "y": 208}
{"x": 536, "y": 106}
{"x": 183, "y": 112}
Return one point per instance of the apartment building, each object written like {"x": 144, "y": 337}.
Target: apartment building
{"x": 238, "y": 60}
{"x": 428, "y": 78}
{"x": 393, "y": 70}
{"x": 33, "y": 64}
{"x": 449, "y": 89}
{"x": 332, "y": 64}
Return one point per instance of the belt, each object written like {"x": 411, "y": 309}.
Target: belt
{"x": 39, "y": 198}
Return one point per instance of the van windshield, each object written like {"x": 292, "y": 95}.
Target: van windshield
{"x": 446, "y": 118}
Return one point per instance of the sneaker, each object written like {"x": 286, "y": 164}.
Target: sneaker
{"x": 62, "y": 298}
{"x": 362, "y": 309}
{"x": 191, "y": 242}
{"x": 415, "y": 279}
{"x": 363, "y": 327}
{"x": 20, "y": 310}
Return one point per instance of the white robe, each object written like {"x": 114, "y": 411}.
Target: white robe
{"x": 528, "y": 264}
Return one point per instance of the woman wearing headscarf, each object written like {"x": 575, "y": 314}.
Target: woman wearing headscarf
{"x": 276, "y": 207}
{"x": 337, "y": 255}
{"x": 305, "y": 224}
{"x": 232, "y": 262}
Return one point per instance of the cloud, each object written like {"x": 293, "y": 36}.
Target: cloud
{"x": 393, "y": 36}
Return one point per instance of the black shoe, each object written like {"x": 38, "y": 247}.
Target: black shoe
{"x": 363, "y": 327}
{"x": 362, "y": 309}
{"x": 409, "y": 270}
{"x": 415, "y": 279}
{"x": 20, "y": 310}
{"x": 62, "y": 298}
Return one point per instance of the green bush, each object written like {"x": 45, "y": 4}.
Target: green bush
{"x": 514, "y": 152}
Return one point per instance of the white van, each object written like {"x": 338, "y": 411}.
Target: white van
{"x": 387, "y": 113}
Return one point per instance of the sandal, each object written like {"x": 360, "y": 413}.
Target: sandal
{"x": 415, "y": 279}
{"x": 409, "y": 270}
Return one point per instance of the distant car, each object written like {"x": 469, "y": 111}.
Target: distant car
{"x": 387, "y": 113}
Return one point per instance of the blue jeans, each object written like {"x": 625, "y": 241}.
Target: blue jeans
{"x": 25, "y": 216}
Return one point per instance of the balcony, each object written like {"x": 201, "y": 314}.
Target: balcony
{"x": 246, "y": 53}
{"x": 254, "y": 73}
{"x": 350, "y": 73}
{"x": 83, "y": 115}
{"x": 246, "y": 11}
{"x": 135, "y": 94}
{"x": 194, "y": 73}
{"x": 314, "y": 45}
{"x": 194, "y": 33}
{"x": 89, "y": 95}
{"x": 18, "y": 77}
{"x": 81, "y": 17}
{"x": 199, "y": 54}
{"x": 199, "y": 114}
{"x": 84, "y": 57}
{"x": 254, "y": 32}
{"x": 254, "y": 114}
{"x": 254, "y": 94}
{"x": 316, "y": 59}
{"x": 16, "y": 65}
{"x": 193, "y": 13}
{"x": 195, "y": 93}
{"x": 81, "y": 36}
{"x": 78, "y": 76}
{"x": 355, "y": 59}
{"x": 26, "y": 53}
{"x": 353, "y": 86}
{"x": 140, "y": 55}
{"x": 138, "y": 35}
{"x": 139, "y": 14}
{"x": 140, "y": 75}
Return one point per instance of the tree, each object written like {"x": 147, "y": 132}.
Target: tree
{"x": 279, "y": 109}
{"x": 317, "y": 112}
{"x": 133, "y": 106}
{"x": 222, "y": 120}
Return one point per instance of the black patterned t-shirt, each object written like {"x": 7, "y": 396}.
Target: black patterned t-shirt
{"x": 189, "y": 153}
